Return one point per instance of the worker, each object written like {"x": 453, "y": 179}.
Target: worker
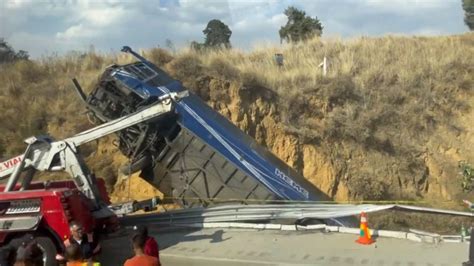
{"x": 74, "y": 257}
{"x": 85, "y": 241}
{"x": 7, "y": 255}
{"x": 140, "y": 258}
{"x": 151, "y": 246}
{"x": 28, "y": 254}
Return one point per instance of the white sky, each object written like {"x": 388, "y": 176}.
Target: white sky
{"x": 57, "y": 26}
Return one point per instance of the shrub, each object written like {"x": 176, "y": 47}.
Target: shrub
{"x": 367, "y": 187}
{"x": 185, "y": 67}
{"x": 223, "y": 69}
{"x": 159, "y": 56}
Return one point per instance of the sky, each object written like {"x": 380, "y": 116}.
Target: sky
{"x": 45, "y": 27}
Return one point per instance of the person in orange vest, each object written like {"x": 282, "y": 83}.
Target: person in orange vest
{"x": 74, "y": 257}
{"x": 151, "y": 246}
{"x": 140, "y": 258}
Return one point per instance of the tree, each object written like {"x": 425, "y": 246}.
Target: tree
{"x": 8, "y": 54}
{"x": 299, "y": 26}
{"x": 217, "y": 34}
{"x": 468, "y": 6}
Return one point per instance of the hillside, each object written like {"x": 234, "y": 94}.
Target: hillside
{"x": 390, "y": 121}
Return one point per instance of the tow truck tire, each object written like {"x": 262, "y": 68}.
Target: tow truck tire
{"x": 48, "y": 248}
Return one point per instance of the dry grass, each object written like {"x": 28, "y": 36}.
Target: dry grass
{"x": 381, "y": 104}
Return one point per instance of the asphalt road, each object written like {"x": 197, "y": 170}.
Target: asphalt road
{"x": 268, "y": 247}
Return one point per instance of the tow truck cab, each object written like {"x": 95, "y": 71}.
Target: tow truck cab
{"x": 44, "y": 212}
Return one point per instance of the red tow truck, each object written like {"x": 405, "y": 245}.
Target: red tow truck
{"x": 43, "y": 210}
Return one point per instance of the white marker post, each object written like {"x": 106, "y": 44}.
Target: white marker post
{"x": 324, "y": 65}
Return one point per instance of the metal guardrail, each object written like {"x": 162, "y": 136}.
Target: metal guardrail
{"x": 269, "y": 212}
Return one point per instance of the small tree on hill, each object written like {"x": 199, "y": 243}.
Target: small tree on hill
{"x": 468, "y": 6}
{"x": 299, "y": 26}
{"x": 217, "y": 34}
{"x": 8, "y": 54}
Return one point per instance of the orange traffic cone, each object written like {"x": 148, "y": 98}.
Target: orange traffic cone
{"x": 364, "y": 237}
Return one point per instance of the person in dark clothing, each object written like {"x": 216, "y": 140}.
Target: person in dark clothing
{"x": 25, "y": 254}
{"x": 28, "y": 254}
{"x": 7, "y": 256}
{"x": 84, "y": 241}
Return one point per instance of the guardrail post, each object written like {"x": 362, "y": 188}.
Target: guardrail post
{"x": 471, "y": 251}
